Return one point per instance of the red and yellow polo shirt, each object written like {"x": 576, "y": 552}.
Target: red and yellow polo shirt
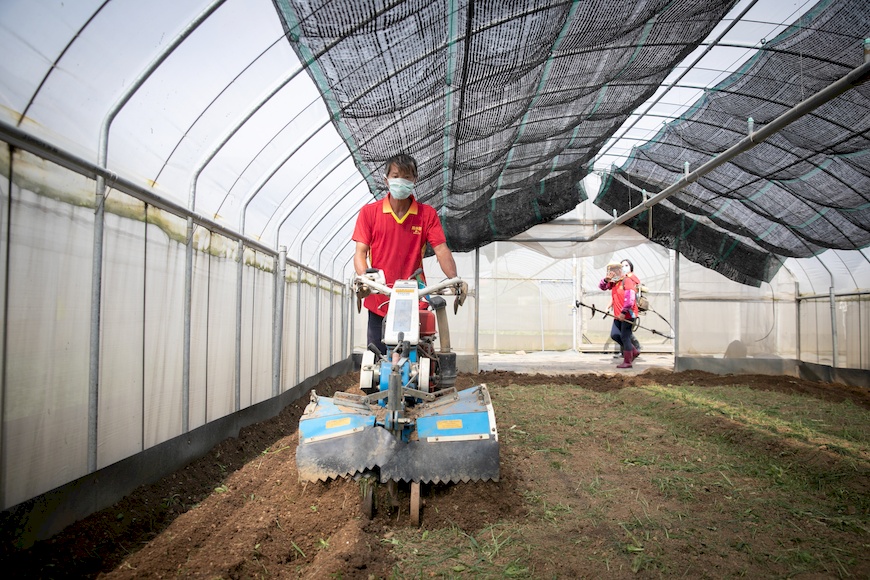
{"x": 396, "y": 244}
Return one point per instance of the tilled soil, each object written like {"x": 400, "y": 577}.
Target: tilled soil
{"x": 240, "y": 511}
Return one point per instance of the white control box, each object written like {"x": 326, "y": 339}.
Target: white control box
{"x": 403, "y": 314}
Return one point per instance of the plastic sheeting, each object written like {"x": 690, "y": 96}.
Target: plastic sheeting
{"x": 525, "y": 301}
{"x": 140, "y": 403}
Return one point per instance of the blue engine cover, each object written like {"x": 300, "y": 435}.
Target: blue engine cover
{"x": 387, "y": 368}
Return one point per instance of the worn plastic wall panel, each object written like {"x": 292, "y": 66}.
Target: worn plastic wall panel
{"x": 462, "y": 329}
{"x": 765, "y": 328}
{"x": 261, "y": 341}
{"x": 290, "y": 338}
{"x": 247, "y": 337}
{"x": 45, "y": 414}
{"x": 121, "y": 405}
{"x": 853, "y": 316}
{"x": 816, "y": 338}
{"x": 323, "y": 296}
{"x": 164, "y": 326}
{"x": 221, "y": 377}
{"x": 509, "y": 315}
{"x": 337, "y": 335}
{"x": 308, "y": 292}
{"x": 783, "y": 339}
{"x": 863, "y": 333}
{"x": 197, "y": 415}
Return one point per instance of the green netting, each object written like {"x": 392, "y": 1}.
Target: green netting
{"x": 805, "y": 189}
{"x": 504, "y": 104}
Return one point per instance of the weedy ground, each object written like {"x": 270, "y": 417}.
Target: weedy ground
{"x": 656, "y": 475}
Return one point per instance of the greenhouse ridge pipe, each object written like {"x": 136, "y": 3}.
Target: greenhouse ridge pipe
{"x": 476, "y": 310}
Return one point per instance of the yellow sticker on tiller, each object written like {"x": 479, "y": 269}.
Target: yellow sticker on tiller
{"x": 449, "y": 424}
{"x": 338, "y": 423}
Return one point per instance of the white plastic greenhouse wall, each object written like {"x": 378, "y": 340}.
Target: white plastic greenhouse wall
{"x": 176, "y": 211}
{"x": 812, "y": 319}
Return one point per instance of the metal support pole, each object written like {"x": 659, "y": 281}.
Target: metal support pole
{"x": 317, "y": 291}
{"x": 96, "y": 305}
{"x": 574, "y": 294}
{"x": 298, "y": 320}
{"x": 239, "y": 284}
{"x": 797, "y": 322}
{"x": 494, "y": 296}
{"x": 348, "y": 302}
{"x": 278, "y": 323}
{"x": 676, "y": 314}
{"x": 331, "y": 322}
{"x": 541, "y": 311}
{"x": 476, "y": 309}
{"x": 832, "y": 299}
{"x": 582, "y": 292}
{"x": 188, "y": 301}
{"x": 834, "y": 342}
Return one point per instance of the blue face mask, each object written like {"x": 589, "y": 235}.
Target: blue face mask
{"x": 400, "y": 188}
{"x": 625, "y": 270}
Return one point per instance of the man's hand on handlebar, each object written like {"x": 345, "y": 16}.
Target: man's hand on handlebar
{"x": 461, "y": 290}
{"x": 362, "y": 289}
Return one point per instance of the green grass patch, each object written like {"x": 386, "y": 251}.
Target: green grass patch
{"x": 666, "y": 480}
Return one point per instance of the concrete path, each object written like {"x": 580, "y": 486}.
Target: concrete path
{"x": 570, "y": 362}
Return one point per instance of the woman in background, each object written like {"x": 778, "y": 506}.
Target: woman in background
{"x": 622, "y": 292}
{"x": 628, "y": 271}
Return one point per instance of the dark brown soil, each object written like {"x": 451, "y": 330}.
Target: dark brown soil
{"x": 240, "y": 512}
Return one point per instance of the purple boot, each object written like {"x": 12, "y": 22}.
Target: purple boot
{"x": 626, "y": 358}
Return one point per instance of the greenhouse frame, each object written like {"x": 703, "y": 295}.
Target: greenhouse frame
{"x": 182, "y": 181}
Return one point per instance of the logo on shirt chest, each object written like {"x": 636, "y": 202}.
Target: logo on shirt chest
{"x": 416, "y": 230}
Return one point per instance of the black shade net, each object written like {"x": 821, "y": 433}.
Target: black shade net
{"x": 503, "y": 104}
{"x": 803, "y": 190}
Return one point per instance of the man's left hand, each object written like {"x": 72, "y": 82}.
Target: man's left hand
{"x": 461, "y": 290}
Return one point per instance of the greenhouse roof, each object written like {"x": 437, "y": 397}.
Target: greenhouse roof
{"x": 274, "y": 119}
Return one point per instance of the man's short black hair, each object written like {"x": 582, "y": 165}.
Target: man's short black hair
{"x": 403, "y": 162}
